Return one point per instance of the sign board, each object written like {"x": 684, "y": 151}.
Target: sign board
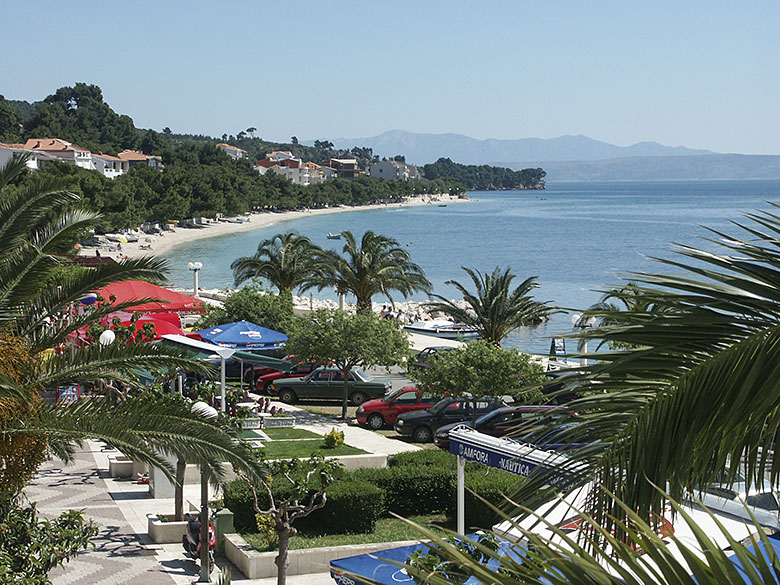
{"x": 68, "y": 394}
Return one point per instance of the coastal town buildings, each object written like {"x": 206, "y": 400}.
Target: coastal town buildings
{"x": 135, "y": 158}
{"x": 43, "y": 150}
{"x": 299, "y": 172}
{"x": 232, "y": 151}
{"x": 346, "y": 168}
{"x": 393, "y": 170}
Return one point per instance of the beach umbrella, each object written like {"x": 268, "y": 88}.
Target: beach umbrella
{"x": 243, "y": 335}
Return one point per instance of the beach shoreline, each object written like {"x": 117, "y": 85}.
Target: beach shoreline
{"x": 165, "y": 241}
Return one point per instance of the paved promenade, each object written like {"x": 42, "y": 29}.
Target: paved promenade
{"x": 123, "y": 553}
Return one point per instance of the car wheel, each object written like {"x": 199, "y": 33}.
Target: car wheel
{"x": 287, "y": 396}
{"x": 375, "y": 421}
{"x": 422, "y": 434}
{"x": 357, "y": 398}
{"x": 267, "y": 387}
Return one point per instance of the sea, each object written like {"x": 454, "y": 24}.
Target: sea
{"x": 578, "y": 239}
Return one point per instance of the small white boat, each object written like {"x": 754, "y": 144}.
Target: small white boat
{"x": 443, "y": 328}
{"x": 334, "y": 236}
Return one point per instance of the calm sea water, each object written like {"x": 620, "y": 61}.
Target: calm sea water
{"x": 577, "y": 238}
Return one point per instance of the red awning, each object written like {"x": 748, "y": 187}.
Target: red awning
{"x": 131, "y": 290}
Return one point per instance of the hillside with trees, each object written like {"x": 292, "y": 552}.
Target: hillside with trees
{"x": 198, "y": 179}
{"x": 485, "y": 177}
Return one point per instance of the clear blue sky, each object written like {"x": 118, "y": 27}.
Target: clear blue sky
{"x": 703, "y": 74}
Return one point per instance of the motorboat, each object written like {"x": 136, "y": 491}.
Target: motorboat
{"x": 443, "y": 328}
{"x": 334, "y": 236}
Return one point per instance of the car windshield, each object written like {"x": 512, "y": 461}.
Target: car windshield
{"x": 394, "y": 394}
{"x": 440, "y": 405}
{"x": 362, "y": 375}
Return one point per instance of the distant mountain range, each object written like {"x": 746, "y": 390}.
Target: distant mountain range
{"x": 427, "y": 148}
{"x": 573, "y": 158}
{"x": 661, "y": 168}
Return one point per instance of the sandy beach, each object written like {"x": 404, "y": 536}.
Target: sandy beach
{"x": 166, "y": 240}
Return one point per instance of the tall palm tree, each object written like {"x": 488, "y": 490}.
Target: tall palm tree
{"x": 375, "y": 265}
{"x": 38, "y": 221}
{"x": 694, "y": 393}
{"x": 493, "y": 310}
{"x": 285, "y": 260}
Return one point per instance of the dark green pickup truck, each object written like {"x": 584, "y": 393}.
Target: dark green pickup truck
{"x": 328, "y": 384}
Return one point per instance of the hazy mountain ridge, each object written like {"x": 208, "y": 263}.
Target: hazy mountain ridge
{"x": 661, "y": 168}
{"x": 426, "y": 148}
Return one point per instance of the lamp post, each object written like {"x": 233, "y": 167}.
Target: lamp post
{"x": 195, "y": 267}
{"x": 583, "y": 322}
{"x": 208, "y": 412}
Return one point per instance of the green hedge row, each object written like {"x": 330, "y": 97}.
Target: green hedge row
{"x": 415, "y": 483}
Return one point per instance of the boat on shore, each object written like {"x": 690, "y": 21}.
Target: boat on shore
{"x": 334, "y": 236}
{"x": 443, "y": 328}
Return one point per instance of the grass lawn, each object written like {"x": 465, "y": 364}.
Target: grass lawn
{"x": 290, "y": 433}
{"x": 387, "y": 530}
{"x": 249, "y": 434}
{"x": 304, "y": 449}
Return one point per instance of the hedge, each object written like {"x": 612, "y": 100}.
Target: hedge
{"x": 435, "y": 457}
{"x": 492, "y": 485}
{"x": 412, "y": 490}
{"x": 352, "y": 507}
{"x": 238, "y": 499}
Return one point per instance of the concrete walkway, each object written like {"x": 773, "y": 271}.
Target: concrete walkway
{"x": 123, "y": 553}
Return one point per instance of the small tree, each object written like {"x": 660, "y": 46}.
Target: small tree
{"x": 348, "y": 341}
{"x": 482, "y": 369}
{"x": 306, "y": 483}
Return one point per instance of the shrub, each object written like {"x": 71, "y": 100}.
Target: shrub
{"x": 352, "y": 507}
{"x": 334, "y": 438}
{"x": 238, "y": 499}
{"x": 412, "y": 490}
{"x": 492, "y": 485}
{"x": 435, "y": 457}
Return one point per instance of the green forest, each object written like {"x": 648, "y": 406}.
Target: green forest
{"x": 201, "y": 180}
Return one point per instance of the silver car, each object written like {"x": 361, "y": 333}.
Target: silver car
{"x": 735, "y": 500}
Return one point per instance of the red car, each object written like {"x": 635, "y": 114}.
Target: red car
{"x": 263, "y": 383}
{"x": 383, "y": 411}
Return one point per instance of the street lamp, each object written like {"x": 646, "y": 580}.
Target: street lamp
{"x": 208, "y": 412}
{"x": 195, "y": 267}
{"x": 581, "y": 321}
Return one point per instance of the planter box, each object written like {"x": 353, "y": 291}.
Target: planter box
{"x": 165, "y": 532}
{"x": 278, "y": 422}
{"x": 122, "y": 466}
{"x": 260, "y": 565}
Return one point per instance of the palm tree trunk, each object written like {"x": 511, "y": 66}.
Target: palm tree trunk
{"x": 178, "y": 502}
{"x": 363, "y": 305}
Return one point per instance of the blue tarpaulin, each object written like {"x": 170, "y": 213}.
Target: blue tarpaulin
{"x": 379, "y": 567}
{"x": 243, "y": 335}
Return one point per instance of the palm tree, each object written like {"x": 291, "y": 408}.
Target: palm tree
{"x": 492, "y": 309}
{"x": 377, "y": 265}
{"x": 693, "y": 394}
{"x": 38, "y": 222}
{"x": 286, "y": 261}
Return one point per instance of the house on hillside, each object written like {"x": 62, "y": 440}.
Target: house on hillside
{"x": 35, "y": 159}
{"x": 233, "y": 152}
{"x": 62, "y": 150}
{"x": 110, "y": 166}
{"x": 393, "y": 170}
{"x": 134, "y": 158}
{"x": 345, "y": 168}
{"x": 279, "y": 155}
{"x": 299, "y": 172}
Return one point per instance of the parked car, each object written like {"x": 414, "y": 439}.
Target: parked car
{"x": 422, "y": 424}
{"x": 384, "y": 411}
{"x": 735, "y": 500}
{"x": 263, "y": 382}
{"x": 501, "y": 422}
{"x": 562, "y": 437}
{"x": 422, "y": 359}
{"x": 328, "y": 384}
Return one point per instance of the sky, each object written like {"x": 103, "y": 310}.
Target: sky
{"x": 701, "y": 74}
